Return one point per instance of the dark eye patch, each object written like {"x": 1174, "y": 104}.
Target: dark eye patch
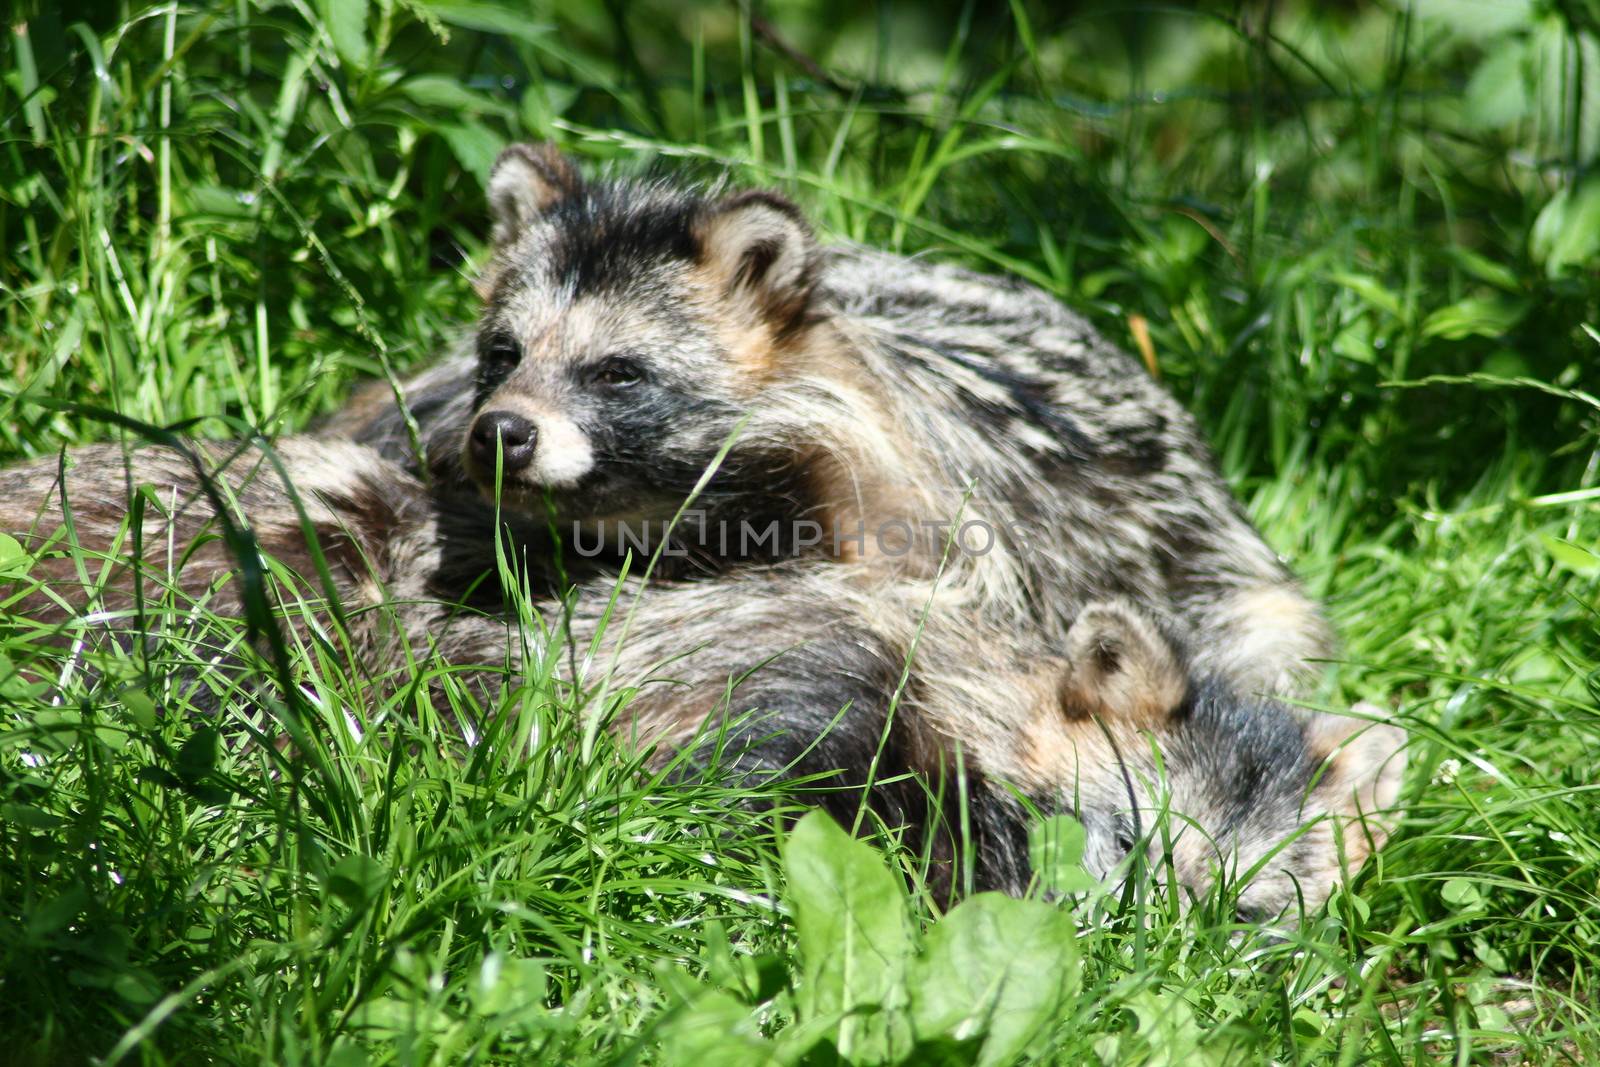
{"x": 1125, "y": 838}
{"x": 498, "y": 356}
{"x": 617, "y": 372}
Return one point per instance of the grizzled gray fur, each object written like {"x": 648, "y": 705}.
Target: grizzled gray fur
{"x": 1109, "y": 650}
{"x": 631, "y": 330}
{"x": 817, "y": 650}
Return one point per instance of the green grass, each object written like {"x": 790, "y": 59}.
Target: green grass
{"x": 1364, "y": 239}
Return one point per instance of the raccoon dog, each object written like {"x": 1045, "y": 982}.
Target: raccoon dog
{"x": 639, "y": 340}
{"x": 908, "y": 701}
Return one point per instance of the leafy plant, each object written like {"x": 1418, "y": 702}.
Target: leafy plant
{"x": 986, "y": 982}
{"x": 1355, "y": 238}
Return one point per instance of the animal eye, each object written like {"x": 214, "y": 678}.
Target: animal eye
{"x": 617, "y": 372}
{"x": 501, "y": 354}
{"x": 1124, "y": 842}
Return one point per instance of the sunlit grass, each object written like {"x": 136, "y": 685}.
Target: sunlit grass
{"x": 239, "y": 210}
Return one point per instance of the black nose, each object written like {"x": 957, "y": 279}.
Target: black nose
{"x": 515, "y": 435}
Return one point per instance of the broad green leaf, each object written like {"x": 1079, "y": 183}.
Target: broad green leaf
{"x": 1491, "y": 956}
{"x": 1565, "y": 69}
{"x": 1461, "y": 895}
{"x": 1354, "y": 342}
{"x": 136, "y": 987}
{"x": 715, "y": 1030}
{"x": 1308, "y": 1023}
{"x": 346, "y": 1053}
{"x": 999, "y": 967}
{"x": 1566, "y": 232}
{"x": 487, "y": 18}
{"x": 216, "y": 200}
{"x": 475, "y": 146}
{"x": 1573, "y": 557}
{"x": 1055, "y": 851}
{"x": 447, "y": 94}
{"x": 357, "y": 879}
{"x": 28, "y": 815}
{"x": 543, "y": 103}
{"x": 1493, "y": 1017}
{"x": 346, "y": 21}
{"x": 1169, "y": 1032}
{"x": 855, "y": 939}
{"x": 55, "y": 914}
{"x": 1497, "y": 92}
{"x": 15, "y": 686}
{"x": 505, "y": 982}
{"x": 198, "y": 756}
{"x": 141, "y": 709}
{"x": 1477, "y": 19}
{"x": 1484, "y": 269}
{"x": 1369, "y": 289}
{"x": 14, "y": 560}
{"x": 1475, "y": 316}
{"x": 1353, "y": 901}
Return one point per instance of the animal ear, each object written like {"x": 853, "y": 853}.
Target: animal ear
{"x": 1120, "y": 665}
{"x": 757, "y": 248}
{"x": 1363, "y": 764}
{"x": 524, "y": 183}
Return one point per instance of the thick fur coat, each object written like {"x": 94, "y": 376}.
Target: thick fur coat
{"x": 640, "y": 342}
{"x": 910, "y": 701}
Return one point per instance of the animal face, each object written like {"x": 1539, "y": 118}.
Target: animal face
{"x": 1208, "y": 782}
{"x": 629, "y": 328}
